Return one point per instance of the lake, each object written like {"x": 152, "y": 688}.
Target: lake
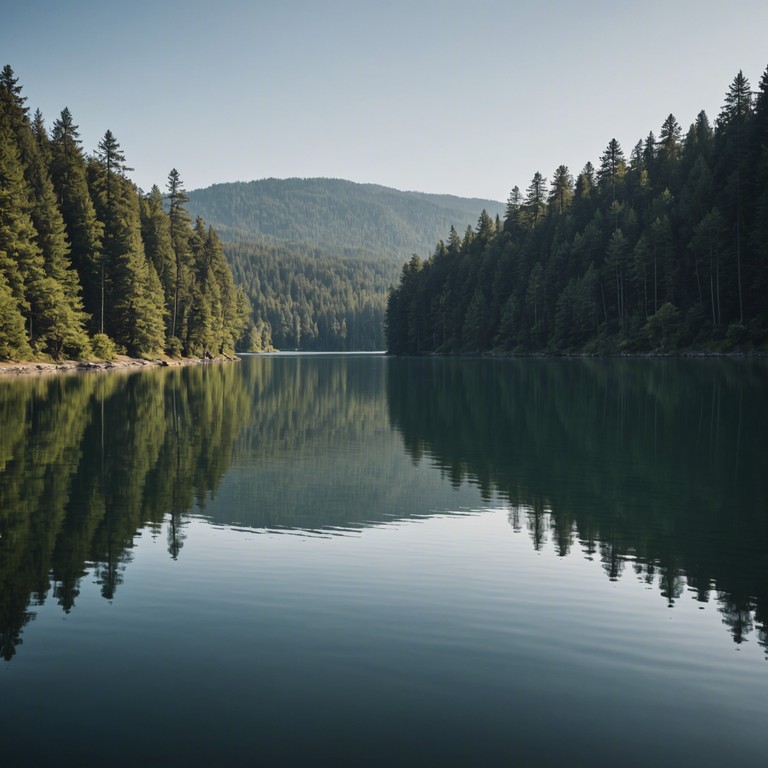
{"x": 358, "y": 560}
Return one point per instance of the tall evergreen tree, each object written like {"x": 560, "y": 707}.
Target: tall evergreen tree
{"x": 512, "y": 215}
{"x": 759, "y": 232}
{"x": 536, "y": 199}
{"x": 156, "y": 235}
{"x": 104, "y": 170}
{"x": 56, "y": 312}
{"x": 732, "y": 133}
{"x": 130, "y": 287}
{"x": 561, "y": 191}
{"x": 21, "y": 261}
{"x": 669, "y": 150}
{"x": 232, "y": 320}
{"x": 84, "y": 230}
{"x": 611, "y": 171}
{"x": 182, "y": 280}
{"x": 13, "y": 338}
{"x": 707, "y": 244}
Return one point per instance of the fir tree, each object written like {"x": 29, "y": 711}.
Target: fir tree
{"x": 732, "y": 134}
{"x": 182, "y": 278}
{"x": 131, "y": 294}
{"x": 84, "y": 231}
{"x": 561, "y": 192}
{"x": 56, "y": 312}
{"x": 13, "y": 339}
{"x": 156, "y": 235}
{"x": 21, "y": 261}
{"x": 535, "y": 199}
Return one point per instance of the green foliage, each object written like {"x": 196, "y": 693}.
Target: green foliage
{"x": 173, "y": 346}
{"x": 103, "y": 347}
{"x": 362, "y": 221}
{"x": 68, "y": 507}
{"x": 662, "y": 327}
{"x": 665, "y": 251}
{"x": 81, "y": 249}
{"x": 13, "y": 339}
{"x": 306, "y": 298}
{"x": 84, "y": 231}
{"x": 317, "y": 256}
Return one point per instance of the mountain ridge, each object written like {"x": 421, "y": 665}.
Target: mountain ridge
{"x": 316, "y": 256}
{"x": 346, "y": 217}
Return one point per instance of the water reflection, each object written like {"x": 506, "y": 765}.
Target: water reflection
{"x": 653, "y": 468}
{"x": 87, "y": 461}
{"x": 318, "y": 453}
{"x": 657, "y": 466}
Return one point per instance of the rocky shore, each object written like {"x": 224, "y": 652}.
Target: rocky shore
{"x": 120, "y": 363}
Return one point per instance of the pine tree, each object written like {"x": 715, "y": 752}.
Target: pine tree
{"x": 61, "y": 323}
{"x": 156, "y": 235}
{"x": 130, "y": 287}
{"x": 616, "y": 259}
{"x": 536, "y": 199}
{"x": 231, "y": 318}
{"x": 561, "y": 192}
{"x": 669, "y": 150}
{"x": 582, "y": 198}
{"x": 512, "y": 215}
{"x": 205, "y": 325}
{"x": 707, "y": 244}
{"x": 42, "y": 140}
{"x": 105, "y": 169}
{"x": 84, "y": 231}
{"x": 649, "y": 155}
{"x": 182, "y": 279}
{"x": 732, "y": 133}
{"x": 21, "y": 261}
{"x": 612, "y": 168}
{"x": 56, "y": 311}
{"x": 486, "y": 227}
{"x": 10, "y": 85}
{"x": 13, "y": 339}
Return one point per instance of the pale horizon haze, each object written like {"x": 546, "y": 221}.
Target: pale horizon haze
{"x": 462, "y": 98}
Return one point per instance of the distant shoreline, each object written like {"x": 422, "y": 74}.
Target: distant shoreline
{"x": 121, "y": 363}
{"x": 691, "y": 354}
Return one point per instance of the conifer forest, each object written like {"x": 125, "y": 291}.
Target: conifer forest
{"x": 661, "y": 249}
{"x": 91, "y": 266}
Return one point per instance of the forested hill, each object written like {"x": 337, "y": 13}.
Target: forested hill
{"x": 664, "y": 247}
{"x": 317, "y": 256}
{"x": 342, "y": 217}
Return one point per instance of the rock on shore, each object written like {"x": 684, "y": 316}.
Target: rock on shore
{"x": 120, "y": 363}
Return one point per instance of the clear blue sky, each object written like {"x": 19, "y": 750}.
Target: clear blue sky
{"x": 460, "y": 97}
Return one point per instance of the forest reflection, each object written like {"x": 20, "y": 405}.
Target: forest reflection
{"x": 86, "y": 461}
{"x": 653, "y": 466}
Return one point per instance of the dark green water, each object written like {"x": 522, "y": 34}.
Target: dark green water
{"x": 352, "y": 560}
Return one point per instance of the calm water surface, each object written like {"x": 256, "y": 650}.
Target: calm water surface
{"x": 353, "y": 560}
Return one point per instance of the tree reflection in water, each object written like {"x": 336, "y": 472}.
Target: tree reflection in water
{"x": 89, "y": 460}
{"x": 653, "y": 465}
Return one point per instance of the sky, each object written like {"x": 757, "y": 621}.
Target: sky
{"x": 456, "y": 97}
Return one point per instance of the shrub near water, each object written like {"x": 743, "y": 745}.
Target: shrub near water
{"x": 103, "y": 347}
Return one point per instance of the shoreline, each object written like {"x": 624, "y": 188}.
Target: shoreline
{"x": 653, "y": 355}
{"x": 120, "y": 363}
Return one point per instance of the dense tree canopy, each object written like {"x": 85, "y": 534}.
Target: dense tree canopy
{"x": 307, "y": 298}
{"x": 317, "y": 256}
{"x": 90, "y": 265}
{"x": 665, "y": 250}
